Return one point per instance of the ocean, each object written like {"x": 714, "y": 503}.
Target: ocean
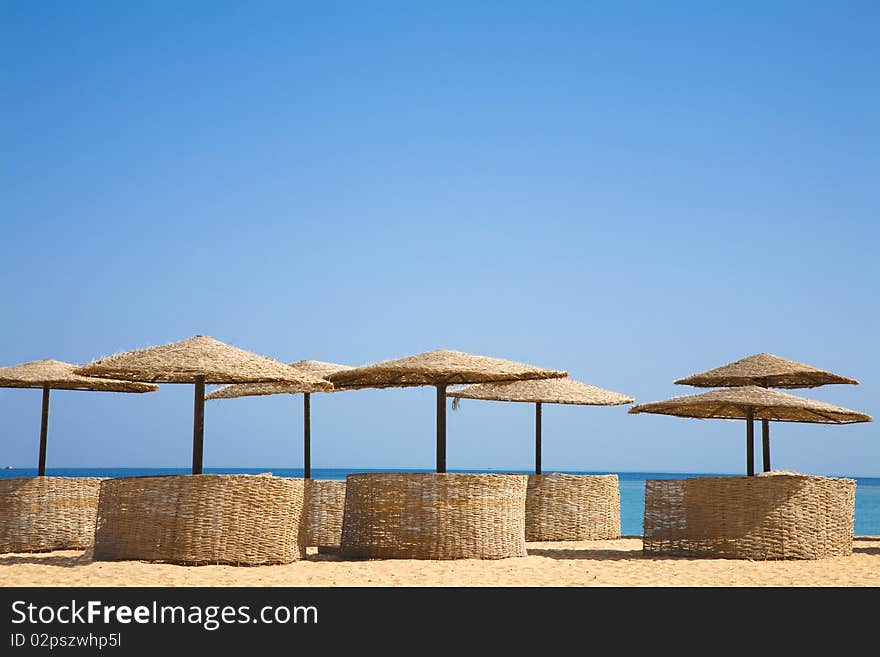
{"x": 632, "y": 487}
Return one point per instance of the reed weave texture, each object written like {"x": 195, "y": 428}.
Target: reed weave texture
{"x": 200, "y": 519}
{"x": 778, "y": 517}
{"x": 434, "y": 516}
{"x": 41, "y": 514}
{"x": 562, "y": 507}
{"x": 322, "y": 514}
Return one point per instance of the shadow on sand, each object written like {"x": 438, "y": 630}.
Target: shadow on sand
{"x": 75, "y": 559}
{"x": 48, "y": 559}
{"x": 860, "y": 549}
{"x": 598, "y": 553}
{"x": 606, "y": 554}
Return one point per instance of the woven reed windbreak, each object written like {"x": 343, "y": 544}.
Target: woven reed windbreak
{"x": 245, "y": 520}
{"x": 434, "y": 516}
{"x": 562, "y": 507}
{"x": 322, "y": 514}
{"x": 777, "y": 517}
{"x": 41, "y": 514}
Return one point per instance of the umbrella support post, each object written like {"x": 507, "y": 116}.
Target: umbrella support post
{"x": 537, "y": 438}
{"x": 441, "y": 428}
{"x": 765, "y": 440}
{"x": 44, "y": 433}
{"x": 307, "y": 436}
{"x": 750, "y": 442}
{"x": 198, "y": 425}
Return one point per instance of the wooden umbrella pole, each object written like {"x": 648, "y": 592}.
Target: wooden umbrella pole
{"x": 441, "y": 428}
{"x": 765, "y": 434}
{"x": 44, "y": 432}
{"x": 307, "y": 436}
{"x": 750, "y": 442}
{"x": 537, "y": 438}
{"x": 198, "y": 425}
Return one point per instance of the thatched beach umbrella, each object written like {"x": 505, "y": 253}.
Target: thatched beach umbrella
{"x": 312, "y": 367}
{"x": 49, "y": 374}
{"x": 198, "y": 360}
{"x": 751, "y": 403}
{"x": 440, "y": 369}
{"x": 538, "y": 392}
{"x": 767, "y": 371}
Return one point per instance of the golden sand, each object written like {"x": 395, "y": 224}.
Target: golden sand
{"x": 590, "y": 563}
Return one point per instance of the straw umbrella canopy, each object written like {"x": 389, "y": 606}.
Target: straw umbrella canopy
{"x": 440, "y": 369}
{"x": 198, "y": 360}
{"x": 538, "y": 392}
{"x": 750, "y": 403}
{"x": 767, "y": 371}
{"x": 49, "y": 374}
{"x": 313, "y": 367}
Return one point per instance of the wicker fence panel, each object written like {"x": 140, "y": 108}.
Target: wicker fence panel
{"x": 322, "y": 515}
{"x": 41, "y": 514}
{"x": 434, "y": 516}
{"x": 775, "y": 517}
{"x": 561, "y": 507}
{"x": 200, "y": 519}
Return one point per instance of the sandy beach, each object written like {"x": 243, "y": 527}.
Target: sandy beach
{"x": 592, "y": 563}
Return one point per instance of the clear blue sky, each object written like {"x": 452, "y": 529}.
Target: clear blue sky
{"x": 632, "y": 191}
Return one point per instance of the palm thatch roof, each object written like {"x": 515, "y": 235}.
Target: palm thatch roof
{"x": 312, "y": 367}
{"x": 60, "y": 376}
{"x": 200, "y": 356}
{"x": 319, "y": 367}
{"x": 549, "y": 391}
{"x": 732, "y": 403}
{"x": 765, "y": 370}
{"x": 441, "y": 367}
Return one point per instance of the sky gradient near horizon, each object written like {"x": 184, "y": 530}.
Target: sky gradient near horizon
{"x": 631, "y": 191}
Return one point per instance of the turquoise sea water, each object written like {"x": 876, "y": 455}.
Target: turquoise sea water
{"x": 632, "y": 488}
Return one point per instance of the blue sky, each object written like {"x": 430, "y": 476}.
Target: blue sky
{"x": 631, "y": 191}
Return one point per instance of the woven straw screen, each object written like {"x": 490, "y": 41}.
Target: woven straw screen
{"x": 434, "y": 516}
{"x": 41, "y": 514}
{"x": 322, "y": 515}
{"x": 561, "y": 507}
{"x": 775, "y": 517}
{"x": 200, "y": 519}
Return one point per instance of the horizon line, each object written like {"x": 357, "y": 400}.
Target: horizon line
{"x": 413, "y": 469}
